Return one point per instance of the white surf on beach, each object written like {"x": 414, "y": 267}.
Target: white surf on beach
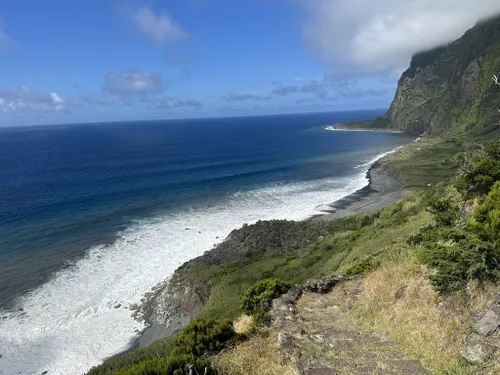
{"x": 336, "y": 129}
{"x": 82, "y": 316}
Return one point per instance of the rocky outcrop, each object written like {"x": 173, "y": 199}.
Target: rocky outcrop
{"x": 174, "y": 303}
{"x": 449, "y": 89}
{"x": 264, "y": 238}
{"x": 484, "y": 342}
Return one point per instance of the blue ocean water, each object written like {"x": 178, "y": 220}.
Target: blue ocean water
{"x": 93, "y": 215}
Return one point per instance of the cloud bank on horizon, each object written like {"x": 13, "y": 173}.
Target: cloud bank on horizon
{"x": 379, "y": 37}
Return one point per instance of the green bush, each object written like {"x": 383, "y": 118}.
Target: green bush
{"x": 173, "y": 356}
{"x": 173, "y": 365}
{"x": 456, "y": 263}
{"x": 258, "y": 298}
{"x": 493, "y": 149}
{"x": 201, "y": 337}
{"x": 459, "y": 255}
{"x": 363, "y": 267}
{"x": 444, "y": 211}
{"x": 479, "y": 171}
{"x": 161, "y": 348}
{"x": 486, "y": 219}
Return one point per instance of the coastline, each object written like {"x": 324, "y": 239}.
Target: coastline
{"x": 342, "y": 128}
{"x": 164, "y": 310}
{"x": 382, "y": 190}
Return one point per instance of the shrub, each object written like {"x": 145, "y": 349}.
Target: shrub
{"x": 456, "y": 263}
{"x": 444, "y": 211}
{"x": 493, "y": 149}
{"x": 198, "y": 338}
{"x": 173, "y": 365}
{"x": 258, "y": 298}
{"x": 479, "y": 171}
{"x": 486, "y": 219}
{"x": 161, "y": 348}
{"x": 204, "y": 337}
{"x": 363, "y": 267}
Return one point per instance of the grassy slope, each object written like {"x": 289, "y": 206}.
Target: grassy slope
{"x": 364, "y": 240}
{"x": 352, "y": 244}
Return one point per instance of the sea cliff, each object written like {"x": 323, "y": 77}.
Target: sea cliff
{"x": 448, "y": 90}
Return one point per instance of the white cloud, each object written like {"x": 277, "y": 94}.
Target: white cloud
{"x": 161, "y": 28}
{"x": 235, "y": 97}
{"x": 380, "y": 36}
{"x": 24, "y": 99}
{"x": 330, "y": 87}
{"x": 169, "y": 102}
{"x": 133, "y": 83}
{"x": 132, "y": 87}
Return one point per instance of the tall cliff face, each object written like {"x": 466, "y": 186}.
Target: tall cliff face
{"x": 450, "y": 89}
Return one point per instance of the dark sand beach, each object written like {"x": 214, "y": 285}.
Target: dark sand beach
{"x": 382, "y": 190}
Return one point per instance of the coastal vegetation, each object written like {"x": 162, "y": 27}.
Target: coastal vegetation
{"x": 440, "y": 240}
{"x": 188, "y": 351}
{"x": 423, "y": 266}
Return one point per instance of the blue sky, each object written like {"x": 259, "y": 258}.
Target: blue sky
{"x": 67, "y": 61}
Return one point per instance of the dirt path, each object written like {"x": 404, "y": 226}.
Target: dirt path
{"x": 318, "y": 337}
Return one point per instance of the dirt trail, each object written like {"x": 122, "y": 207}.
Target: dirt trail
{"x": 318, "y": 337}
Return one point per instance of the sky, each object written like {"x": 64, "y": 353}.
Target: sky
{"x": 65, "y": 61}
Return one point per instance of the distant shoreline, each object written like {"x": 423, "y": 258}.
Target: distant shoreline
{"x": 381, "y": 190}
{"x": 339, "y": 127}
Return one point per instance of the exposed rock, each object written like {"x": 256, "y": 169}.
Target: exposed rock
{"x": 320, "y": 339}
{"x": 321, "y": 286}
{"x": 488, "y": 323}
{"x": 400, "y": 294}
{"x": 475, "y": 350}
{"x": 288, "y": 350}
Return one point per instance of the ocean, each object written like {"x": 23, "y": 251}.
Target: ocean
{"x": 92, "y": 216}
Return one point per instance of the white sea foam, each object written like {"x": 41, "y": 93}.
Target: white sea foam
{"x": 369, "y": 163}
{"x": 81, "y": 316}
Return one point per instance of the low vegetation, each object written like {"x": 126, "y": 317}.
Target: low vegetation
{"x": 435, "y": 247}
{"x": 189, "y": 350}
{"x": 465, "y": 248}
{"x": 258, "y": 299}
{"x": 399, "y": 299}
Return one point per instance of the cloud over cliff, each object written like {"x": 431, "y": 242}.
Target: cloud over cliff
{"x": 373, "y": 37}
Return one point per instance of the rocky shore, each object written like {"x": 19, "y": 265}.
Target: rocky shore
{"x": 174, "y": 303}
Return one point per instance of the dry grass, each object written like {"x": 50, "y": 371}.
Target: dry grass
{"x": 243, "y": 323}
{"x": 257, "y": 356}
{"x": 430, "y": 332}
